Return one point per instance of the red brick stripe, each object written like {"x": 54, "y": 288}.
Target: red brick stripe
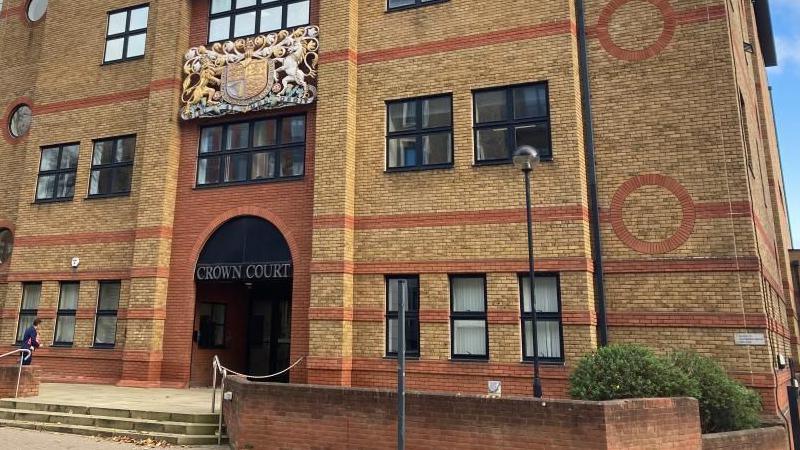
{"x": 142, "y": 314}
{"x": 700, "y": 15}
{"x": 495, "y": 317}
{"x": 576, "y": 264}
{"x": 106, "y": 99}
{"x": 101, "y": 237}
{"x": 80, "y": 275}
{"x": 620, "y": 266}
{"x": 686, "y": 319}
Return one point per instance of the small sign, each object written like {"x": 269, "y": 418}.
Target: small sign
{"x": 750, "y": 339}
{"x": 495, "y": 388}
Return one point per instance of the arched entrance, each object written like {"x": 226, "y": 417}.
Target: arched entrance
{"x": 243, "y": 285}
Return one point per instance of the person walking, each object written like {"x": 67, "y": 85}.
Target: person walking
{"x": 30, "y": 341}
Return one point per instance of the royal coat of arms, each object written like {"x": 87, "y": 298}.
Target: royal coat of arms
{"x": 262, "y": 72}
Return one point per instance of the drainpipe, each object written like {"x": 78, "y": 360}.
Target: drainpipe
{"x": 588, "y": 142}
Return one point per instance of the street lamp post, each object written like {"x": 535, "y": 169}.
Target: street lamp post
{"x": 525, "y": 159}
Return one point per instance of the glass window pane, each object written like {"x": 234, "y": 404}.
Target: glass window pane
{"x": 220, "y": 6}
{"x": 238, "y": 136}
{"x": 116, "y": 22}
{"x": 139, "y": 18}
{"x": 402, "y": 152}
{"x": 124, "y": 149}
{"x": 211, "y": 139}
{"x": 402, "y": 116}
{"x": 136, "y": 45}
{"x": 391, "y": 336}
{"x": 400, "y": 3}
{"x": 45, "y": 186}
{"x": 468, "y": 294}
{"x": 530, "y": 101}
{"x": 436, "y": 148}
{"x": 291, "y": 163}
{"x": 49, "y": 159}
{"x": 236, "y": 168}
{"x": 546, "y": 294}
{"x": 293, "y": 129}
{"x": 30, "y": 295}
{"x": 244, "y": 3}
{"x": 264, "y": 133}
{"x": 271, "y": 19}
{"x": 100, "y": 181}
{"x": 220, "y": 29}
{"x": 65, "y": 329}
{"x": 69, "y": 157}
{"x": 25, "y": 322}
{"x": 68, "y": 298}
{"x": 114, "y": 49}
{"x": 20, "y": 121}
{"x": 122, "y": 179}
{"x": 548, "y": 337}
{"x": 490, "y": 106}
{"x": 535, "y": 135}
{"x": 208, "y": 171}
{"x": 493, "y": 144}
{"x": 469, "y": 337}
{"x": 411, "y": 290}
{"x": 297, "y": 14}
{"x": 109, "y": 296}
{"x": 66, "y": 185}
{"x": 103, "y": 152}
{"x": 36, "y": 9}
{"x": 105, "y": 330}
{"x": 244, "y": 24}
{"x": 436, "y": 112}
{"x": 263, "y": 165}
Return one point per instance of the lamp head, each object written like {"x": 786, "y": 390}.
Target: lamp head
{"x": 526, "y": 158}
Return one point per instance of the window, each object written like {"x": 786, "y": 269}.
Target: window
{"x": 745, "y": 133}
{"x": 6, "y": 244}
{"x": 404, "y": 4}
{"x": 36, "y": 9}
{"x": 65, "y": 317}
{"x": 105, "y": 325}
{"x": 112, "y": 166}
{"x": 509, "y": 117}
{"x": 126, "y": 34}
{"x": 211, "y": 332}
{"x": 232, "y": 19}
{"x": 468, "y": 333}
{"x": 20, "y": 121}
{"x": 31, "y": 292}
{"x": 419, "y": 133}
{"x": 548, "y": 317}
{"x": 260, "y": 150}
{"x": 408, "y": 287}
{"x": 57, "y": 173}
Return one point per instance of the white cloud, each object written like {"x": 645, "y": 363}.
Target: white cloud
{"x": 788, "y": 50}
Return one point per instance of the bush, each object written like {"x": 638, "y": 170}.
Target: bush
{"x": 725, "y": 404}
{"x": 628, "y": 371}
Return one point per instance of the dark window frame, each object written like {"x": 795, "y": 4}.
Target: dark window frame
{"x": 510, "y": 123}
{"x": 33, "y": 312}
{"x": 125, "y": 34}
{"x": 61, "y": 312}
{"x": 416, "y": 4}
{"x": 469, "y": 315}
{"x": 418, "y": 132}
{"x": 541, "y": 316}
{"x": 411, "y": 315}
{"x": 257, "y": 8}
{"x": 52, "y": 198}
{"x": 223, "y": 324}
{"x": 100, "y": 167}
{"x": 250, "y": 150}
{"x": 106, "y": 313}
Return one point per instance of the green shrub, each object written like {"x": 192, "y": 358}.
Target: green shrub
{"x": 628, "y": 371}
{"x": 725, "y": 404}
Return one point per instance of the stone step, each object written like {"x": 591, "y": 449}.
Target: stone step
{"x": 86, "y": 430}
{"x": 118, "y": 423}
{"x": 109, "y": 412}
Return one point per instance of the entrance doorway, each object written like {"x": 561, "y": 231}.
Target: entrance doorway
{"x": 243, "y": 301}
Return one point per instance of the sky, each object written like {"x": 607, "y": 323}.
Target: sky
{"x": 785, "y": 82}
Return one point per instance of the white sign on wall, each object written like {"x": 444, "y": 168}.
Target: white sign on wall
{"x": 749, "y": 339}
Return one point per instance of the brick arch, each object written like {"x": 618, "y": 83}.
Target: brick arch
{"x": 10, "y": 107}
{"x": 608, "y": 44}
{"x": 7, "y": 224}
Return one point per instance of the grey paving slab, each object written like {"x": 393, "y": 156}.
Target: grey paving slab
{"x": 19, "y": 439}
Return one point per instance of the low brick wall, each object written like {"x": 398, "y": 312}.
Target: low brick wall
{"x": 28, "y": 383}
{"x": 291, "y": 416}
{"x": 770, "y": 438}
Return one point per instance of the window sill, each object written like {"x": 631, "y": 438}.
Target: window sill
{"x": 248, "y": 182}
{"x": 414, "y": 6}
{"x": 408, "y": 357}
{"x": 62, "y": 344}
{"x": 52, "y": 200}
{"x": 557, "y": 363}
{"x": 500, "y": 162}
{"x": 470, "y": 359}
{"x": 103, "y": 346}
{"x": 123, "y": 60}
{"x": 419, "y": 168}
{"x": 115, "y": 195}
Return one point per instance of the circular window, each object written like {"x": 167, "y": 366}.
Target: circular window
{"x": 36, "y": 10}
{"x": 6, "y": 244}
{"x": 20, "y": 120}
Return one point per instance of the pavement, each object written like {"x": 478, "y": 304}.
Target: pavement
{"x": 19, "y": 439}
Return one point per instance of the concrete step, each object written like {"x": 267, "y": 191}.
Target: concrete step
{"x": 109, "y": 412}
{"x": 117, "y": 423}
{"x": 86, "y": 430}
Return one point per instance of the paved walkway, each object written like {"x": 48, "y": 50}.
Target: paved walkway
{"x": 14, "y": 438}
{"x": 191, "y": 401}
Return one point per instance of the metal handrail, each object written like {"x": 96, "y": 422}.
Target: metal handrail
{"x": 217, "y": 366}
{"x": 24, "y": 353}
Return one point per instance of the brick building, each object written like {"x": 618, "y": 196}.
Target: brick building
{"x": 164, "y": 199}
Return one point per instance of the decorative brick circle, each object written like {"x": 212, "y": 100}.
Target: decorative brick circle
{"x": 667, "y": 32}
{"x": 671, "y": 243}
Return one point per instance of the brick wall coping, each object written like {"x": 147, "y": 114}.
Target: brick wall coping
{"x": 756, "y": 439}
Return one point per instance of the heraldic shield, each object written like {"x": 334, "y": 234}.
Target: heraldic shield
{"x": 247, "y": 82}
